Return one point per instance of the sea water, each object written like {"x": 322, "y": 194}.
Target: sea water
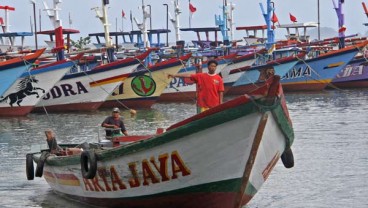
{"x": 330, "y": 151}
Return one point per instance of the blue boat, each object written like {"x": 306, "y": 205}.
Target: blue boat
{"x": 316, "y": 73}
{"x": 11, "y": 69}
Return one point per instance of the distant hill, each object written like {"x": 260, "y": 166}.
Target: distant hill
{"x": 327, "y": 32}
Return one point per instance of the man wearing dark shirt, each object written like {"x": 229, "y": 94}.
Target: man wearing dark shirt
{"x": 114, "y": 122}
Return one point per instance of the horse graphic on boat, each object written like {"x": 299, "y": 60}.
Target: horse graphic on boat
{"x": 25, "y": 89}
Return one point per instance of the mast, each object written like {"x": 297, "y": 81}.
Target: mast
{"x": 231, "y": 20}
{"x": 176, "y": 21}
{"x": 143, "y": 26}
{"x": 53, "y": 15}
{"x": 267, "y": 17}
{"x": 341, "y": 22}
{"x": 104, "y": 19}
{"x": 6, "y": 24}
{"x": 222, "y": 23}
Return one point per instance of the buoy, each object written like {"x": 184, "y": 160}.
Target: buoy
{"x": 88, "y": 162}
{"x": 133, "y": 112}
{"x": 29, "y": 167}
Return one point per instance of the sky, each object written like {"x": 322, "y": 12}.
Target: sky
{"x": 247, "y": 13}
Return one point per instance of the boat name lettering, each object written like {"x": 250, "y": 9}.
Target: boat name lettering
{"x": 298, "y": 72}
{"x": 179, "y": 82}
{"x": 351, "y": 71}
{"x": 66, "y": 90}
{"x": 144, "y": 173}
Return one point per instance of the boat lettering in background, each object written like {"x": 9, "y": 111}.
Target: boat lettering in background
{"x": 298, "y": 72}
{"x": 144, "y": 173}
{"x": 180, "y": 82}
{"x": 25, "y": 89}
{"x": 65, "y": 90}
{"x": 350, "y": 71}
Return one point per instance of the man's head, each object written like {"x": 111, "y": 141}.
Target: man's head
{"x": 116, "y": 112}
{"x": 212, "y": 64}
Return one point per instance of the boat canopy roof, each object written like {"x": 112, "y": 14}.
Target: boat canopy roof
{"x": 52, "y": 32}
{"x": 299, "y": 25}
{"x": 134, "y": 32}
{"x": 16, "y": 34}
{"x": 202, "y": 29}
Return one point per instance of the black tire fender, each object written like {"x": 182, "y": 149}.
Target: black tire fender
{"x": 88, "y": 162}
{"x": 29, "y": 167}
{"x": 288, "y": 158}
{"x": 41, "y": 163}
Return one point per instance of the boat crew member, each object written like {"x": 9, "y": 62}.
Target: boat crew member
{"x": 210, "y": 86}
{"x": 114, "y": 124}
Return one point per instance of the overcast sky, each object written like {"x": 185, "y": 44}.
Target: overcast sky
{"x": 247, "y": 13}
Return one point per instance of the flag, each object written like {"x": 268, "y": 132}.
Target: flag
{"x": 192, "y": 9}
{"x": 123, "y": 14}
{"x": 342, "y": 29}
{"x": 274, "y": 18}
{"x": 292, "y": 18}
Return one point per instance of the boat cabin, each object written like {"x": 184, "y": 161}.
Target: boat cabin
{"x": 51, "y": 34}
{"x": 132, "y": 39}
{"x": 298, "y": 31}
{"x": 205, "y": 43}
{"x": 252, "y": 34}
{"x": 7, "y": 41}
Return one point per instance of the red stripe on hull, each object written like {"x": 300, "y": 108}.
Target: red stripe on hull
{"x": 201, "y": 200}
{"x": 15, "y": 111}
{"x": 352, "y": 84}
{"x": 135, "y": 104}
{"x": 70, "y": 107}
{"x": 178, "y": 97}
{"x": 304, "y": 87}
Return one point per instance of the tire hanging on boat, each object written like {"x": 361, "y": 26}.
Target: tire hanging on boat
{"x": 88, "y": 164}
{"x": 41, "y": 163}
{"x": 29, "y": 167}
{"x": 288, "y": 158}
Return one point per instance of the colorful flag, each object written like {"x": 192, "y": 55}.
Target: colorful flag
{"x": 122, "y": 13}
{"x": 292, "y": 18}
{"x": 192, "y": 9}
{"x": 274, "y": 18}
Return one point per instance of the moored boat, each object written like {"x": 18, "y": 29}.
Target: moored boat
{"x": 87, "y": 90}
{"x": 11, "y": 69}
{"x": 316, "y": 73}
{"x": 177, "y": 168}
{"x": 30, "y": 87}
{"x": 143, "y": 88}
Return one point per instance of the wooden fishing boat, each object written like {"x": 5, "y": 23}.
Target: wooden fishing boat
{"x": 30, "y": 87}
{"x": 87, "y": 90}
{"x": 215, "y": 159}
{"x": 143, "y": 88}
{"x": 354, "y": 75}
{"x": 11, "y": 69}
{"x": 254, "y": 76}
{"x": 316, "y": 73}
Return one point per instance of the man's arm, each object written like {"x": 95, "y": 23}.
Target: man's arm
{"x": 181, "y": 75}
{"x": 221, "y": 95}
{"x": 125, "y": 133}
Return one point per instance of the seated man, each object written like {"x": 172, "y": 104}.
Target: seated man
{"x": 114, "y": 124}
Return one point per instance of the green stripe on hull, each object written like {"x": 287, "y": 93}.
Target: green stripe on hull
{"x": 188, "y": 129}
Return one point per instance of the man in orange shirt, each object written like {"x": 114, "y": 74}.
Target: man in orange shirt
{"x": 210, "y": 86}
